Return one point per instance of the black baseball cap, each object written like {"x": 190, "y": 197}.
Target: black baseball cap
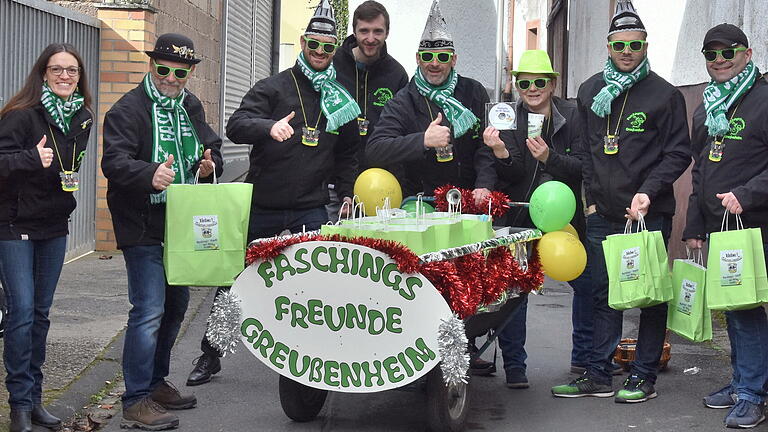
{"x": 727, "y": 34}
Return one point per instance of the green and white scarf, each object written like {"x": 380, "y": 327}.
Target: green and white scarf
{"x": 460, "y": 116}
{"x": 617, "y": 83}
{"x": 60, "y": 110}
{"x": 172, "y": 134}
{"x": 719, "y": 97}
{"x": 337, "y": 104}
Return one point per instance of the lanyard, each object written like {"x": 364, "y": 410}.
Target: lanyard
{"x": 357, "y": 89}
{"x": 301, "y": 102}
{"x": 56, "y": 147}
{"x": 618, "y": 123}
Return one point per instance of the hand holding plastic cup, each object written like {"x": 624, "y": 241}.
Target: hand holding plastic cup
{"x": 535, "y": 124}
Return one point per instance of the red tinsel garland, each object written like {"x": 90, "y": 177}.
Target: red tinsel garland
{"x": 465, "y": 282}
{"x": 499, "y": 202}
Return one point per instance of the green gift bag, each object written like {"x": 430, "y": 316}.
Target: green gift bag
{"x": 627, "y": 263}
{"x": 206, "y": 227}
{"x": 736, "y": 276}
{"x": 659, "y": 268}
{"x": 688, "y": 314}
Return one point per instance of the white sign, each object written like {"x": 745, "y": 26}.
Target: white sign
{"x": 341, "y": 317}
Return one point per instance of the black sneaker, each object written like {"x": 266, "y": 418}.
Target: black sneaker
{"x": 582, "y": 387}
{"x": 635, "y": 390}
{"x": 516, "y": 379}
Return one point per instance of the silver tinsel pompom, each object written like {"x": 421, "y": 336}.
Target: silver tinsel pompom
{"x": 224, "y": 323}
{"x": 452, "y": 344}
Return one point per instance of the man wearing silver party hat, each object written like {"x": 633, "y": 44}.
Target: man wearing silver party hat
{"x": 432, "y": 124}
{"x": 301, "y": 125}
{"x": 637, "y": 145}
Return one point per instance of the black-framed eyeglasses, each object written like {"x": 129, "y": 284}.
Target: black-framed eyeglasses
{"x": 428, "y": 56}
{"x": 634, "y": 45}
{"x": 313, "y": 44}
{"x": 726, "y": 54}
{"x": 179, "y": 73}
{"x": 72, "y": 71}
{"x": 525, "y": 84}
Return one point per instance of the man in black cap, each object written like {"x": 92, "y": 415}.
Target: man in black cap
{"x": 155, "y": 135}
{"x": 730, "y": 146}
{"x": 637, "y": 144}
{"x": 369, "y": 73}
{"x": 301, "y": 125}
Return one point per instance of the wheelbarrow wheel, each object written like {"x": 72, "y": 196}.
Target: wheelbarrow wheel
{"x": 300, "y": 403}
{"x": 447, "y": 405}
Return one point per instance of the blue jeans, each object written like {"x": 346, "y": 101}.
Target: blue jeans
{"x": 608, "y": 322}
{"x": 512, "y": 339}
{"x": 153, "y": 322}
{"x": 582, "y": 318}
{"x": 29, "y": 272}
{"x": 748, "y": 333}
{"x": 268, "y": 223}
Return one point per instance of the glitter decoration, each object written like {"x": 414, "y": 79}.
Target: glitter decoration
{"x": 223, "y": 330}
{"x": 452, "y": 345}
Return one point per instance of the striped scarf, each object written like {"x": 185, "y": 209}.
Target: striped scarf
{"x": 172, "y": 134}
{"x": 617, "y": 83}
{"x": 337, "y": 104}
{"x": 719, "y": 97}
{"x": 458, "y": 115}
{"x": 60, "y": 110}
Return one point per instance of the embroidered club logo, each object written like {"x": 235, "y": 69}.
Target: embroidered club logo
{"x": 383, "y": 96}
{"x": 636, "y": 121}
{"x": 737, "y": 125}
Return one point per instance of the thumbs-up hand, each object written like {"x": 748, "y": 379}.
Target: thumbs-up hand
{"x": 164, "y": 175}
{"x": 46, "y": 154}
{"x": 437, "y": 135}
{"x": 281, "y": 130}
{"x": 207, "y": 165}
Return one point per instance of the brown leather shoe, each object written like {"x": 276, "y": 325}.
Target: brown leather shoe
{"x": 168, "y": 396}
{"x": 148, "y": 415}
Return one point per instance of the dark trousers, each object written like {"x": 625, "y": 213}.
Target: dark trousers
{"x": 607, "y": 322}
{"x": 269, "y": 223}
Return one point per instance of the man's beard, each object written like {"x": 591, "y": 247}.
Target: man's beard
{"x": 163, "y": 88}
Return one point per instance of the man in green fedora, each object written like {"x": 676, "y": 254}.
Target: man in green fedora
{"x": 523, "y": 162}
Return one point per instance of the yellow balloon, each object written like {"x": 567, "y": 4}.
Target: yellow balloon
{"x": 570, "y": 230}
{"x": 562, "y": 255}
{"x": 373, "y": 186}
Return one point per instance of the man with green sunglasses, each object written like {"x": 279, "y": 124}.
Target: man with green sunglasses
{"x": 636, "y": 145}
{"x": 730, "y": 174}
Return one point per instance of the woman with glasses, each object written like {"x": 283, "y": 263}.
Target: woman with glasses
{"x": 545, "y": 156}
{"x": 44, "y": 131}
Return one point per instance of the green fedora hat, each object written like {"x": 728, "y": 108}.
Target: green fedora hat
{"x": 535, "y": 62}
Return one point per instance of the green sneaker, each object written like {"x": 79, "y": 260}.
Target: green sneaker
{"x": 582, "y": 387}
{"x": 635, "y": 390}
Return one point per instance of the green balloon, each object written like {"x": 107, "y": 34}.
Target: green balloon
{"x": 410, "y": 207}
{"x": 552, "y": 206}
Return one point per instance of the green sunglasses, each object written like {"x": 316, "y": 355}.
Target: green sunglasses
{"x": 313, "y": 44}
{"x": 525, "y": 84}
{"x": 164, "y": 71}
{"x": 634, "y": 45}
{"x": 726, "y": 54}
{"x": 428, "y": 56}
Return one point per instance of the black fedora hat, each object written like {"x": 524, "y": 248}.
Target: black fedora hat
{"x": 174, "y": 47}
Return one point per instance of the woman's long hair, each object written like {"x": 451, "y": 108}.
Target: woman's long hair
{"x": 30, "y": 94}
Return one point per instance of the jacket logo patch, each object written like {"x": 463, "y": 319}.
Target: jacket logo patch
{"x": 476, "y": 130}
{"x": 636, "y": 121}
{"x": 384, "y": 95}
{"x": 737, "y": 125}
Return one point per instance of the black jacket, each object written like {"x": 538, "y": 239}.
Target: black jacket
{"x": 399, "y": 138}
{"x": 519, "y": 179}
{"x": 127, "y": 165}
{"x": 372, "y": 85}
{"x": 32, "y": 202}
{"x": 743, "y": 169}
{"x": 290, "y": 175}
{"x": 654, "y": 146}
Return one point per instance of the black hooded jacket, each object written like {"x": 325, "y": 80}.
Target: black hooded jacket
{"x": 654, "y": 146}
{"x": 742, "y": 170}
{"x": 371, "y": 85}
{"x": 32, "y": 202}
